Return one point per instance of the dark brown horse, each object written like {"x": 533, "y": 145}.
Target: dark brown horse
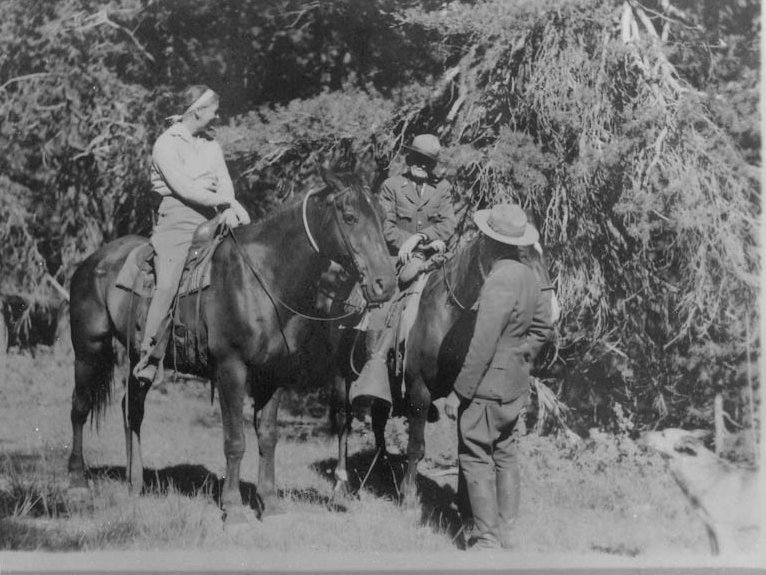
{"x": 435, "y": 349}
{"x": 264, "y": 280}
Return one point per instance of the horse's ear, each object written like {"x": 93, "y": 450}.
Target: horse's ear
{"x": 330, "y": 178}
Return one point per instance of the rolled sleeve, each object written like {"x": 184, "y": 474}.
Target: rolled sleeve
{"x": 225, "y": 186}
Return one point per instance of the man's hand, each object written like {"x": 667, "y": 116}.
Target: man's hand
{"x": 229, "y": 217}
{"x": 409, "y": 245}
{"x": 241, "y": 212}
{"x": 436, "y": 246}
{"x": 451, "y": 405}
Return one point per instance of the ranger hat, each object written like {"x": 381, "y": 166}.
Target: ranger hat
{"x": 507, "y": 223}
{"x": 426, "y": 145}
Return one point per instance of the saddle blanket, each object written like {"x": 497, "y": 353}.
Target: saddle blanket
{"x": 137, "y": 273}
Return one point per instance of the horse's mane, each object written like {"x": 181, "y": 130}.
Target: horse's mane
{"x": 464, "y": 274}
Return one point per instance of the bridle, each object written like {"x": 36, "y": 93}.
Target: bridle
{"x": 304, "y": 212}
{"x": 313, "y": 243}
{"x": 349, "y": 247}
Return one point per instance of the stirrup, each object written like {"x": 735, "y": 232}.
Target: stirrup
{"x": 145, "y": 371}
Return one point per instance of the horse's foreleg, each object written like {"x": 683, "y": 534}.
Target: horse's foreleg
{"x": 133, "y": 416}
{"x": 342, "y": 421}
{"x": 231, "y": 376}
{"x": 417, "y": 413}
{"x": 267, "y": 431}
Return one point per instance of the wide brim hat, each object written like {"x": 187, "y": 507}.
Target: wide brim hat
{"x": 426, "y": 145}
{"x": 508, "y": 224}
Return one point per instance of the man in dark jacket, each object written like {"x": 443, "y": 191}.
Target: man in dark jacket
{"x": 417, "y": 205}
{"x": 418, "y": 221}
{"x": 512, "y": 324}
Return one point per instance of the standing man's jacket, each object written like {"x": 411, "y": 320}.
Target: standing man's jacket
{"x": 406, "y": 213}
{"x": 512, "y": 324}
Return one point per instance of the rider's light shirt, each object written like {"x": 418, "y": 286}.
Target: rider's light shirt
{"x": 200, "y": 162}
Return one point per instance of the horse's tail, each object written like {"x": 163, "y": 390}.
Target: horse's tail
{"x": 101, "y": 384}
{"x": 92, "y": 336}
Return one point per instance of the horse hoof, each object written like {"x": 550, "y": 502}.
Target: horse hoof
{"x": 410, "y": 500}
{"x": 235, "y": 516}
{"x": 78, "y": 487}
{"x": 272, "y": 506}
{"x": 77, "y": 481}
{"x": 342, "y": 491}
{"x": 78, "y": 495}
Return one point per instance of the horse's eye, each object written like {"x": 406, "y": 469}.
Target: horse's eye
{"x": 349, "y": 218}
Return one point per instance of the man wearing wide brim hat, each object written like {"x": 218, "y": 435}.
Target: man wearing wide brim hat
{"x": 512, "y": 324}
{"x": 418, "y": 221}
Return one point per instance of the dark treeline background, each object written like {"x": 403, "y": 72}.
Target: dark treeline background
{"x": 630, "y": 129}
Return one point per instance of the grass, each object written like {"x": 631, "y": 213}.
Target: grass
{"x": 601, "y": 495}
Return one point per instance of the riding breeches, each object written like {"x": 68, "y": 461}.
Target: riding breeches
{"x": 488, "y": 456}
{"x": 170, "y": 250}
{"x": 488, "y": 436}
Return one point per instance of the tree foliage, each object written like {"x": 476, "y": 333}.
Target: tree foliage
{"x": 649, "y": 208}
{"x": 630, "y": 130}
{"x": 75, "y": 133}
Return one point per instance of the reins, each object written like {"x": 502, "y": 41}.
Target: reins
{"x": 451, "y": 291}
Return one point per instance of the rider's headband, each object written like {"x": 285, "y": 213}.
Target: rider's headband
{"x": 206, "y": 99}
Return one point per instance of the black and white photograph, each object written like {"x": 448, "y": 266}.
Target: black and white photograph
{"x": 381, "y": 286}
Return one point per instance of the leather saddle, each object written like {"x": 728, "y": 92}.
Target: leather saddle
{"x": 137, "y": 273}
{"x": 186, "y": 329}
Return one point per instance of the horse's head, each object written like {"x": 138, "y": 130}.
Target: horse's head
{"x": 351, "y": 234}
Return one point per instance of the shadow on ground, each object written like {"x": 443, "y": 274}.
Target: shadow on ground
{"x": 382, "y": 477}
{"x": 186, "y": 479}
{"x": 19, "y": 536}
{"x": 193, "y": 480}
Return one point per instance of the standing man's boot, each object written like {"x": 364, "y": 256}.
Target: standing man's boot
{"x": 483, "y": 497}
{"x": 508, "y": 491}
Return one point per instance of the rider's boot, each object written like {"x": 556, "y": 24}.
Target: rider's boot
{"x": 152, "y": 351}
{"x": 372, "y": 383}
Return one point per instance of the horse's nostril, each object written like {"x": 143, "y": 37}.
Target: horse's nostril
{"x": 378, "y": 286}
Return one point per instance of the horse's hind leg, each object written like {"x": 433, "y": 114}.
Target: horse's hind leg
{"x": 133, "y": 416}
{"x": 91, "y": 389}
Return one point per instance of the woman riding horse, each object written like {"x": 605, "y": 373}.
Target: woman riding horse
{"x": 189, "y": 173}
